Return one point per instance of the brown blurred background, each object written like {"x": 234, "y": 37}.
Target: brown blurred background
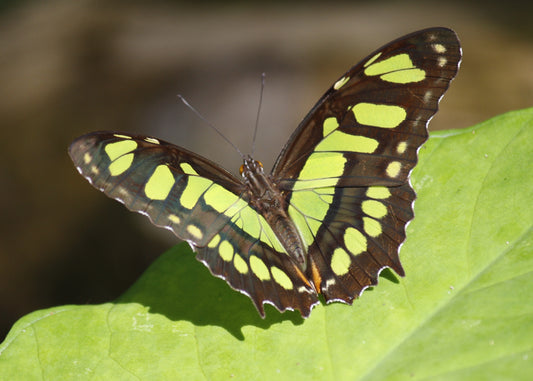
{"x": 71, "y": 67}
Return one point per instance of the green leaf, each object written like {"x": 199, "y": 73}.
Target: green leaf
{"x": 464, "y": 310}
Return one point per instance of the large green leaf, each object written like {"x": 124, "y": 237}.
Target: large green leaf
{"x": 464, "y": 310}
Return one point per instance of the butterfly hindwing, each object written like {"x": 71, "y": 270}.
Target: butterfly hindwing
{"x": 348, "y": 253}
{"x": 258, "y": 270}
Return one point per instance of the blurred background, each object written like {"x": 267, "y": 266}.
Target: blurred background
{"x": 71, "y": 67}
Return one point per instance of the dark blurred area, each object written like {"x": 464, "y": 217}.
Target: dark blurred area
{"x": 71, "y": 67}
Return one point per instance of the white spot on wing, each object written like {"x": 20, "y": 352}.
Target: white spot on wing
{"x": 330, "y": 282}
{"x": 122, "y": 136}
{"x": 151, "y": 140}
{"x": 341, "y": 82}
{"x": 439, "y": 48}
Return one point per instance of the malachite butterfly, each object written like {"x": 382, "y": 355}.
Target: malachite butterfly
{"x": 331, "y": 214}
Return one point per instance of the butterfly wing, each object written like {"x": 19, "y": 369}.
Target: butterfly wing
{"x": 155, "y": 178}
{"x": 261, "y": 270}
{"x": 200, "y": 203}
{"x": 345, "y": 169}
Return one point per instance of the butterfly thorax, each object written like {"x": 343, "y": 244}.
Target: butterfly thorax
{"x": 265, "y": 197}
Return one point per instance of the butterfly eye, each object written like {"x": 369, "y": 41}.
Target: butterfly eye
{"x": 241, "y": 169}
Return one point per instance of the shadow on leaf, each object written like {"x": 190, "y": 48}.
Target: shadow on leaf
{"x": 179, "y": 287}
{"x": 388, "y": 274}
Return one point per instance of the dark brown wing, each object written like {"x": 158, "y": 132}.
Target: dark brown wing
{"x": 154, "y": 178}
{"x": 345, "y": 170}
{"x": 434, "y": 51}
{"x": 202, "y": 204}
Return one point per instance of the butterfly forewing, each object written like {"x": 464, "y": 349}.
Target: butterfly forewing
{"x": 341, "y": 181}
{"x": 374, "y": 113}
{"x": 172, "y": 186}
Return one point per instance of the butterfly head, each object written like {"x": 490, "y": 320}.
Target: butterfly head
{"x": 250, "y": 165}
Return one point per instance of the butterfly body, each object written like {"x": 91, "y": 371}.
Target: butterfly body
{"x": 331, "y": 214}
{"x": 266, "y": 198}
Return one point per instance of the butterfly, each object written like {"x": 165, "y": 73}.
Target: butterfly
{"x": 332, "y": 212}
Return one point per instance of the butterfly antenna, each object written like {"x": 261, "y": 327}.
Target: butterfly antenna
{"x": 209, "y": 124}
{"x": 258, "y": 111}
